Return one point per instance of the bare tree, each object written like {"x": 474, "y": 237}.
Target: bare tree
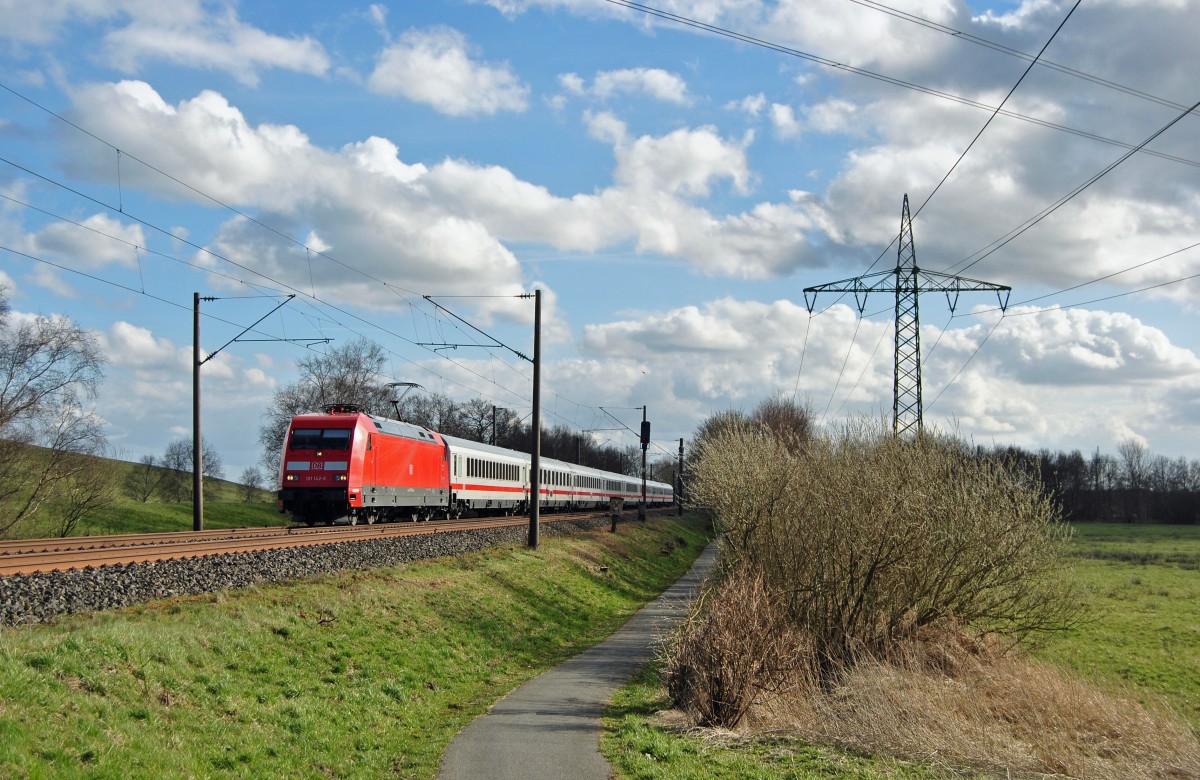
{"x": 178, "y": 461}
{"x": 49, "y": 367}
{"x": 436, "y": 412}
{"x": 89, "y": 492}
{"x": 476, "y": 417}
{"x": 251, "y": 483}
{"x": 37, "y": 466}
{"x": 142, "y": 481}
{"x": 352, "y": 374}
{"x": 1135, "y": 472}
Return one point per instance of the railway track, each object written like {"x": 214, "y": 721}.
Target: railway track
{"x": 31, "y": 556}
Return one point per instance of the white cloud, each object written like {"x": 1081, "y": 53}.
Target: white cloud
{"x": 435, "y": 67}
{"x": 606, "y": 127}
{"x": 682, "y": 162}
{"x": 829, "y": 117}
{"x": 572, "y": 83}
{"x": 183, "y": 32}
{"x": 136, "y": 348}
{"x": 653, "y": 82}
{"x": 218, "y": 42}
{"x": 783, "y": 118}
{"x": 751, "y": 105}
{"x": 390, "y": 216}
{"x": 1073, "y": 347}
{"x": 100, "y": 242}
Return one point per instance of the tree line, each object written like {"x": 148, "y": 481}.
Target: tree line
{"x": 353, "y": 374}
{"x": 1133, "y": 486}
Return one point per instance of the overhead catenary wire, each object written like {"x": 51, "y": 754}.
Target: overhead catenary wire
{"x": 958, "y": 373}
{"x": 120, "y": 206}
{"x": 119, "y": 209}
{"x": 1099, "y": 279}
{"x": 388, "y": 285}
{"x": 222, "y": 258}
{"x": 717, "y": 30}
{"x": 217, "y": 256}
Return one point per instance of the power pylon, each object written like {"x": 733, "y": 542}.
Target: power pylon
{"x": 907, "y": 281}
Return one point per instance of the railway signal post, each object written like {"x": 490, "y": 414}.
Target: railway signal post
{"x": 645, "y": 444}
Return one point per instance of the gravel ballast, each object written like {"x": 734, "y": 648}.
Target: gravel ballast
{"x": 37, "y": 598}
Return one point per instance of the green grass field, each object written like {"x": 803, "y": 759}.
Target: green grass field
{"x": 1141, "y": 588}
{"x": 366, "y": 674}
{"x": 1141, "y": 584}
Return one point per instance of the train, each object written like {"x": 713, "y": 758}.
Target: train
{"x": 345, "y": 466}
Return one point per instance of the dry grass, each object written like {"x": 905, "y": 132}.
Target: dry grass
{"x": 867, "y": 585}
{"x": 954, "y": 700}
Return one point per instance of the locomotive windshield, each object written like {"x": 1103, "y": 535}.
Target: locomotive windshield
{"x": 321, "y": 438}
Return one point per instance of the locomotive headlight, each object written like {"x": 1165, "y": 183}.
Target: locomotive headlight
{"x": 291, "y": 478}
{"x": 340, "y": 478}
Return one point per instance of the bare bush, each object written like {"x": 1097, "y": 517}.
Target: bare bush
{"x": 866, "y": 538}
{"x": 871, "y": 590}
{"x": 788, "y": 421}
{"x": 735, "y": 645}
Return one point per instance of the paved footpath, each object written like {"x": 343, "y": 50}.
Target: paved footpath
{"x": 549, "y": 728}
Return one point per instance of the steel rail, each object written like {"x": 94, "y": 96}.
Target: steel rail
{"x": 33, "y": 556}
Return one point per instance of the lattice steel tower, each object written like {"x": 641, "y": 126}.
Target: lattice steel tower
{"x": 907, "y": 281}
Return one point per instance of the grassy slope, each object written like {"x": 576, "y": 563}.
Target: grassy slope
{"x": 225, "y": 508}
{"x": 128, "y": 517}
{"x": 358, "y": 675}
{"x": 1142, "y": 585}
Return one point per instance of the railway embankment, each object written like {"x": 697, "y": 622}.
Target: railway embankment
{"x": 34, "y": 598}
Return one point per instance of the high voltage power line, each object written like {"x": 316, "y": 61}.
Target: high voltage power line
{"x": 894, "y": 81}
{"x": 665, "y": 15}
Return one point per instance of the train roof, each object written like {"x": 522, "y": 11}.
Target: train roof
{"x": 468, "y": 444}
{"x": 382, "y": 424}
{"x": 491, "y": 449}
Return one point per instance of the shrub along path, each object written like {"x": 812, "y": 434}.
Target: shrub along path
{"x": 549, "y": 728}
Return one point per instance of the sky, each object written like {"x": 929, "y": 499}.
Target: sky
{"x": 671, "y": 175}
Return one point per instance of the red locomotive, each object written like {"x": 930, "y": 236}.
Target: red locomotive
{"x": 346, "y": 466}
